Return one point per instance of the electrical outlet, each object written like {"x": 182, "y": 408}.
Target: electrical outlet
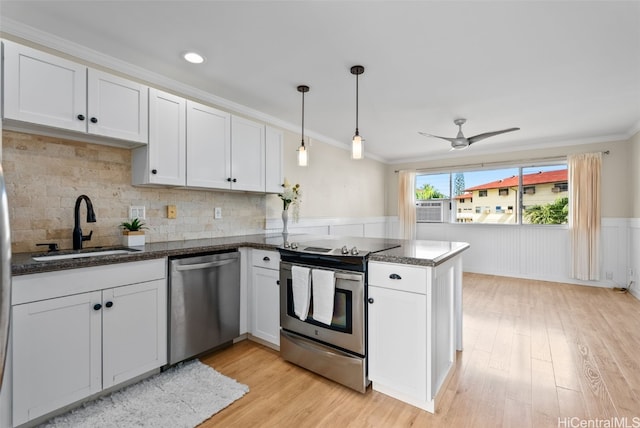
{"x": 137, "y": 212}
{"x": 172, "y": 211}
{"x": 217, "y": 213}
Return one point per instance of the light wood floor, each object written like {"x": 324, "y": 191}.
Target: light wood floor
{"x": 533, "y": 352}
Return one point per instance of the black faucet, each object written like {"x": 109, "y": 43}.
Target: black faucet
{"x": 78, "y": 237}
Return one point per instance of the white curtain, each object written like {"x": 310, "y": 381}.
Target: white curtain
{"x": 584, "y": 211}
{"x": 407, "y": 204}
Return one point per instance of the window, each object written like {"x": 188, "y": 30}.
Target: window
{"x": 560, "y": 187}
{"x": 512, "y": 195}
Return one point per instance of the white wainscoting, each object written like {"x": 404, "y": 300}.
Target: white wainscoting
{"x": 534, "y": 252}
{"x": 634, "y": 254}
{"x": 370, "y": 227}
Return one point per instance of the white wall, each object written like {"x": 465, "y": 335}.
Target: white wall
{"x": 333, "y": 184}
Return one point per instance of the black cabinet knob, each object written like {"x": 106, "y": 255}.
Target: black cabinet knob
{"x": 266, "y": 259}
{"x": 370, "y": 300}
{"x": 94, "y": 120}
{"x": 154, "y": 171}
{"x": 97, "y": 307}
{"x": 109, "y": 304}
{"x": 234, "y": 180}
{"x": 278, "y": 282}
{"x": 395, "y": 276}
{"x": 229, "y": 179}
{"x": 80, "y": 117}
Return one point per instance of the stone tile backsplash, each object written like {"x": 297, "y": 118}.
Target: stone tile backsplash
{"x": 45, "y": 175}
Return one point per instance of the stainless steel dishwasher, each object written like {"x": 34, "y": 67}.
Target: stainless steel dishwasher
{"x": 204, "y": 303}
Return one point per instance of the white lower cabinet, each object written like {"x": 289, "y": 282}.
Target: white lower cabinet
{"x": 411, "y": 330}
{"x": 397, "y": 340}
{"x": 70, "y": 347}
{"x": 265, "y": 296}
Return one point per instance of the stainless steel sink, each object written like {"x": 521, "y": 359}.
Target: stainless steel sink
{"x": 77, "y": 254}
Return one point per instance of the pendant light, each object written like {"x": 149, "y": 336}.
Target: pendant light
{"x": 303, "y": 155}
{"x": 356, "y": 143}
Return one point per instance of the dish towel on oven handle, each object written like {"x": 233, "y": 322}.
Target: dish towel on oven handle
{"x": 323, "y": 285}
{"x": 301, "y": 285}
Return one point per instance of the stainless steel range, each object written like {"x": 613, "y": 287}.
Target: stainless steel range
{"x": 323, "y": 310}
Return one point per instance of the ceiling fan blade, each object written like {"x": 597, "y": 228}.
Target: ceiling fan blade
{"x": 451, "y": 140}
{"x": 479, "y": 137}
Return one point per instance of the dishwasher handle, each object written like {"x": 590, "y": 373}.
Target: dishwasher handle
{"x": 198, "y": 266}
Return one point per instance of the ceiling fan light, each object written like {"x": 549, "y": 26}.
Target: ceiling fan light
{"x": 357, "y": 151}
{"x": 303, "y": 155}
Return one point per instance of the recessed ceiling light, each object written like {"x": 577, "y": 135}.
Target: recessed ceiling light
{"x": 193, "y": 57}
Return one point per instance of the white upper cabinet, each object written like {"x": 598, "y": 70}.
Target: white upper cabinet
{"x": 117, "y": 107}
{"x": 247, "y": 155}
{"x": 44, "y": 89}
{"x": 208, "y": 146}
{"x": 162, "y": 161}
{"x": 54, "y": 93}
{"x": 274, "y": 177}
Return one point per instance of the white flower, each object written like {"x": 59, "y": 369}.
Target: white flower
{"x": 291, "y": 196}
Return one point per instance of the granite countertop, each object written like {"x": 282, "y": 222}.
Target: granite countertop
{"x": 414, "y": 252}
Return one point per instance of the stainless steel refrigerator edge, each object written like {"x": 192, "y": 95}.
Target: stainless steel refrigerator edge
{"x": 5, "y": 274}
{"x": 204, "y": 303}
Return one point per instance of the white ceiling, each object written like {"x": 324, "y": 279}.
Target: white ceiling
{"x": 563, "y": 71}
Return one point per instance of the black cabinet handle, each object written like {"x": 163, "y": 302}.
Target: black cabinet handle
{"x": 109, "y": 304}
{"x": 395, "y": 276}
{"x": 94, "y": 120}
{"x": 154, "y": 171}
{"x": 266, "y": 259}
{"x": 234, "y": 180}
{"x": 278, "y": 282}
{"x": 229, "y": 179}
{"x": 97, "y": 307}
{"x": 370, "y": 300}
{"x": 80, "y": 117}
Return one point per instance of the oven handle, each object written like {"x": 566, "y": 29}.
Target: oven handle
{"x": 349, "y": 276}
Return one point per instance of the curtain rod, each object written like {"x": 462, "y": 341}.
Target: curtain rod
{"x": 482, "y": 165}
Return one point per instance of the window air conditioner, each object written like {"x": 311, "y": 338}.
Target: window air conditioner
{"x": 432, "y": 211}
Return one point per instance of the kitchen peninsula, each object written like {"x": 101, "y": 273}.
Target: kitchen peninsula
{"x": 414, "y": 302}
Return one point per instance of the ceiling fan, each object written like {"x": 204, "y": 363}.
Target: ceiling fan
{"x": 461, "y": 142}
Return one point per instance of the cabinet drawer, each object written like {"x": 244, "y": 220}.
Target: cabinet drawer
{"x": 265, "y": 259}
{"x": 398, "y": 277}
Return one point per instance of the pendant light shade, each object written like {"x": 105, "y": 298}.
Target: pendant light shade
{"x": 303, "y": 155}
{"x": 357, "y": 150}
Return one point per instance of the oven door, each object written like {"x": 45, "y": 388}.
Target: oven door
{"x": 348, "y": 324}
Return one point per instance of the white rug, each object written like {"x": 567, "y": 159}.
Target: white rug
{"x": 183, "y": 396}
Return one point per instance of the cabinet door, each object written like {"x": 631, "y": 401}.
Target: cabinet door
{"x": 44, "y": 89}
{"x": 167, "y": 138}
{"x": 56, "y": 354}
{"x": 117, "y": 107}
{"x": 265, "y": 302}
{"x": 274, "y": 177}
{"x": 134, "y": 330}
{"x": 208, "y": 147}
{"x": 398, "y": 341}
{"x": 247, "y": 155}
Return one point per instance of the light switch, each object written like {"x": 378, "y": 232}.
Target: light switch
{"x": 172, "y": 211}
{"x": 217, "y": 213}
